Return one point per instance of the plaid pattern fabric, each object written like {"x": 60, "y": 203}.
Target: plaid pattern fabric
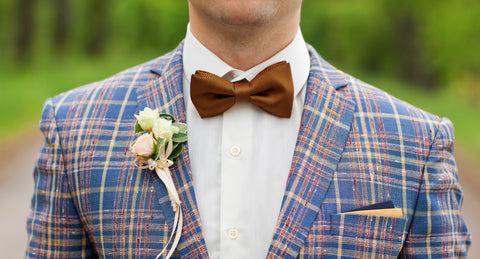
{"x": 357, "y": 146}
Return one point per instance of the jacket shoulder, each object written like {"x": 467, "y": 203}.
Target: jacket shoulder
{"x": 380, "y": 113}
{"x": 373, "y": 100}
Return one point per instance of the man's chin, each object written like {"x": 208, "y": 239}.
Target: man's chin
{"x": 238, "y": 13}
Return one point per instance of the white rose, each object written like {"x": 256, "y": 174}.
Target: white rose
{"x": 147, "y": 118}
{"x": 163, "y": 128}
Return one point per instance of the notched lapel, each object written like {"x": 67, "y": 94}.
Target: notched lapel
{"x": 165, "y": 91}
{"x": 325, "y": 125}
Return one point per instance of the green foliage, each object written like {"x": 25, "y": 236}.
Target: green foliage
{"x": 425, "y": 42}
{"x": 152, "y": 24}
{"x": 180, "y": 137}
{"x": 138, "y": 128}
{"x": 451, "y": 37}
{"x": 6, "y": 23}
{"x": 432, "y": 45}
{"x": 348, "y": 32}
{"x": 182, "y": 127}
{"x": 177, "y": 150}
{"x": 407, "y": 39}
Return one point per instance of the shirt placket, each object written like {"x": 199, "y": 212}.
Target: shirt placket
{"x": 236, "y": 149}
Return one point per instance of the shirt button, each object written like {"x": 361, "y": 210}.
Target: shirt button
{"x": 232, "y": 233}
{"x": 235, "y": 151}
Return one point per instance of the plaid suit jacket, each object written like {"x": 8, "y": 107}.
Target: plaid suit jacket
{"x": 357, "y": 146}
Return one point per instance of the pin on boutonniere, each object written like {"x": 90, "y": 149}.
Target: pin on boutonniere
{"x": 159, "y": 143}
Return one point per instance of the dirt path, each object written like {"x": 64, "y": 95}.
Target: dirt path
{"x": 16, "y": 189}
{"x": 469, "y": 178}
{"x": 16, "y": 186}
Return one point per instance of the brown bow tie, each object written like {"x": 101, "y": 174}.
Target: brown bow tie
{"x": 271, "y": 90}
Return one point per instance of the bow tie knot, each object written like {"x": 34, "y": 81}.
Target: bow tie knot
{"x": 241, "y": 90}
{"x": 271, "y": 90}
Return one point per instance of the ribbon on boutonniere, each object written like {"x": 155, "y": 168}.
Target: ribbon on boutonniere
{"x": 159, "y": 143}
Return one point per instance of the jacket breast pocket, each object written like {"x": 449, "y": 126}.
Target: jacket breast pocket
{"x": 362, "y": 236}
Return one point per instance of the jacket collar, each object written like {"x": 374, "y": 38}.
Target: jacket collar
{"x": 325, "y": 125}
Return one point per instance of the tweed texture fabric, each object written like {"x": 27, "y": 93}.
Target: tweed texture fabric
{"x": 356, "y": 146}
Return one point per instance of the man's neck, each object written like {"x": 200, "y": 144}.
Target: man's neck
{"x": 240, "y": 46}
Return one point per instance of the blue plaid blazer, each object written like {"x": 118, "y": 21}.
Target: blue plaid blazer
{"x": 357, "y": 146}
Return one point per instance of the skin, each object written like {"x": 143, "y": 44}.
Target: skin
{"x": 244, "y": 33}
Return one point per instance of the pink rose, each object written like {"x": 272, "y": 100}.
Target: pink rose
{"x": 144, "y": 145}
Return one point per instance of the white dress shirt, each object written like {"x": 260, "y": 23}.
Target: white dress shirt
{"x": 241, "y": 159}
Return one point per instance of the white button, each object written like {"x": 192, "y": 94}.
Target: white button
{"x": 235, "y": 151}
{"x": 232, "y": 233}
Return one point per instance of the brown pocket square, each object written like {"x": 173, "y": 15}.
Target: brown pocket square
{"x": 391, "y": 212}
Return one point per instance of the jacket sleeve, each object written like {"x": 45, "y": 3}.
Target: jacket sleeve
{"x": 54, "y": 227}
{"x": 438, "y": 229}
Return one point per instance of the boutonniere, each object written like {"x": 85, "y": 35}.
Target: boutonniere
{"x": 159, "y": 143}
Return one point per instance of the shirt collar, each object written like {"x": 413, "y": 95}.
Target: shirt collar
{"x": 198, "y": 57}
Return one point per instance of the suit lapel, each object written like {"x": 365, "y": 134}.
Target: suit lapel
{"x": 165, "y": 92}
{"x": 325, "y": 125}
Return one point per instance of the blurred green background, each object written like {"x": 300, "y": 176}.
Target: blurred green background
{"x": 425, "y": 52}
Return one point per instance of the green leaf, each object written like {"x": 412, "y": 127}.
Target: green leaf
{"x": 167, "y": 115}
{"x": 155, "y": 151}
{"x": 182, "y": 127}
{"x": 175, "y": 145}
{"x": 180, "y": 137}
{"x": 176, "y": 152}
{"x": 138, "y": 128}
